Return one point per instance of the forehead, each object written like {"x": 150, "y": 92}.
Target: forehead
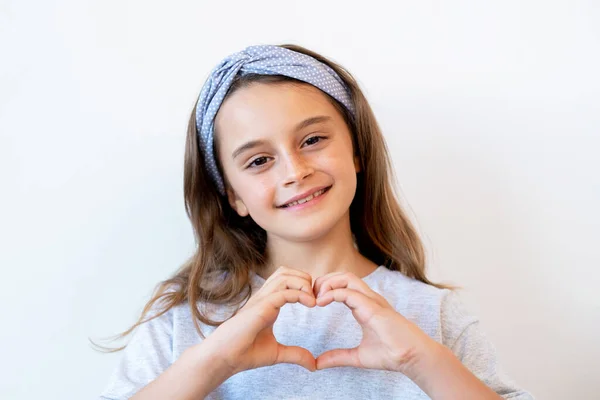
{"x": 262, "y": 109}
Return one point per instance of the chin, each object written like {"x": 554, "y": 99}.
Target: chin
{"x": 304, "y": 230}
{"x": 307, "y": 236}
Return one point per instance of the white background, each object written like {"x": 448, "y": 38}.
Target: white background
{"x": 490, "y": 109}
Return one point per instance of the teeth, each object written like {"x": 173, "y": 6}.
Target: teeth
{"x": 304, "y": 200}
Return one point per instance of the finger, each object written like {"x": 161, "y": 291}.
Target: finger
{"x": 350, "y": 281}
{"x": 350, "y": 297}
{"x": 340, "y": 281}
{"x": 283, "y": 297}
{"x": 296, "y": 355}
{"x": 283, "y": 282}
{"x": 319, "y": 281}
{"x": 362, "y": 306}
{"x": 283, "y": 270}
{"x": 339, "y": 358}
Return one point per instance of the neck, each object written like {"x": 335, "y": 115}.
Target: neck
{"x": 332, "y": 252}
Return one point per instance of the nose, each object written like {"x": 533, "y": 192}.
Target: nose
{"x": 296, "y": 169}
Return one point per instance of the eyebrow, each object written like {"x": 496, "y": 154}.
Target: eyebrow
{"x": 303, "y": 124}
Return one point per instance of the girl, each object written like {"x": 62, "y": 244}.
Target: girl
{"x": 309, "y": 280}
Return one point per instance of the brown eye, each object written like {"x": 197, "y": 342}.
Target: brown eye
{"x": 314, "y": 139}
{"x": 257, "y": 162}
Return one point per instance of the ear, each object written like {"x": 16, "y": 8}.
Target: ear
{"x": 236, "y": 203}
{"x": 357, "y": 163}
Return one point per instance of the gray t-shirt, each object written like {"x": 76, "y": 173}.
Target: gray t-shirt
{"x": 156, "y": 344}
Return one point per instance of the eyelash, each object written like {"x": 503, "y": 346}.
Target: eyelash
{"x": 258, "y": 158}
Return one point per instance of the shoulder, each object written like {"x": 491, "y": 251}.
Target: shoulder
{"x": 174, "y": 325}
{"x": 441, "y": 313}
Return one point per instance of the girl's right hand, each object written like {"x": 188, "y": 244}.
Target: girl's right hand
{"x": 246, "y": 340}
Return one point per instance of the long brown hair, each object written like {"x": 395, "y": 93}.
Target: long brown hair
{"x": 229, "y": 247}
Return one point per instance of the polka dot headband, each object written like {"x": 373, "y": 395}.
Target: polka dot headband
{"x": 264, "y": 60}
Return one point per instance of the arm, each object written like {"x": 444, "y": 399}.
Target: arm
{"x": 442, "y": 376}
{"x": 193, "y": 376}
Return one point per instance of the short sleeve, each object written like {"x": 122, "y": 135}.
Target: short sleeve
{"x": 147, "y": 355}
{"x": 462, "y": 333}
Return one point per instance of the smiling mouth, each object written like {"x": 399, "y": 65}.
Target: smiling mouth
{"x": 306, "y": 199}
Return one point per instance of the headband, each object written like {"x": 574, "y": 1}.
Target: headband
{"x": 263, "y": 60}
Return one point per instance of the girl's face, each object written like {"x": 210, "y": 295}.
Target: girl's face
{"x": 277, "y": 142}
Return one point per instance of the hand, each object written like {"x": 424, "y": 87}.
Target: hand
{"x": 390, "y": 341}
{"x": 246, "y": 340}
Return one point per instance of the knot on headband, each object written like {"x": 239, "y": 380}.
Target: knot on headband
{"x": 263, "y": 60}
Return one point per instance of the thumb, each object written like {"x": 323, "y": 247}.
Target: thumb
{"x": 339, "y": 358}
{"x": 296, "y": 355}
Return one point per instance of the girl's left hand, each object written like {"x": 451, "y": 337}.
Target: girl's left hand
{"x": 390, "y": 341}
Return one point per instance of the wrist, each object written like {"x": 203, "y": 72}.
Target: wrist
{"x": 440, "y": 374}
{"x": 208, "y": 361}
{"x": 421, "y": 362}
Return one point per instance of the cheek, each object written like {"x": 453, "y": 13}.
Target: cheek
{"x": 257, "y": 192}
{"x": 338, "y": 164}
